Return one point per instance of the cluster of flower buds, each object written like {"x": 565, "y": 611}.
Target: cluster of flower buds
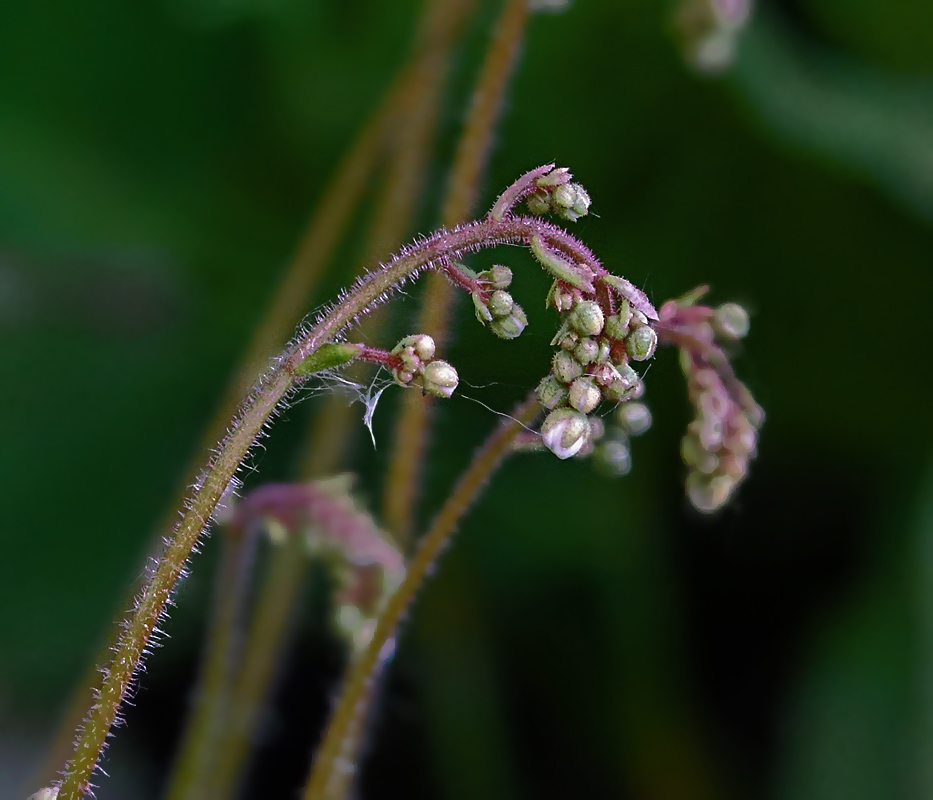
{"x": 368, "y": 566}
{"x": 723, "y": 437}
{"x": 416, "y": 364}
{"x": 592, "y": 364}
{"x": 556, "y": 193}
{"x": 494, "y": 306}
{"x": 709, "y": 30}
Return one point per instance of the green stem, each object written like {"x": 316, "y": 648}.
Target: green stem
{"x": 327, "y": 780}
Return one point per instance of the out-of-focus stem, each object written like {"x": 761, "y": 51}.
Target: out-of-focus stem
{"x": 332, "y": 431}
{"x": 209, "y": 714}
{"x": 326, "y": 781}
{"x": 411, "y": 430}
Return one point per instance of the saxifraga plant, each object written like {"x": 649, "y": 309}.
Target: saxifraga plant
{"x": 590, "y": 399}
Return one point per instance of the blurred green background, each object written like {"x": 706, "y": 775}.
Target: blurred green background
{"x": 584, "y": 638}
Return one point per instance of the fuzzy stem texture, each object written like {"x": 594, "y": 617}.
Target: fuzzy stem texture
{"x": 411, "y": 430}
{"x": 327, "y": 779}
{"x": 246, "y": 428}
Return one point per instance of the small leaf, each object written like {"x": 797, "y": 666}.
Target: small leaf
{"x": 327, "y": 356}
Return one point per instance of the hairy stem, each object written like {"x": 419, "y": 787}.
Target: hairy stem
{"x": 336, "y": 207}
{"x": 472, "y": 155}
{"x": 325, "y": 780}
{"x": 244, "y": 430}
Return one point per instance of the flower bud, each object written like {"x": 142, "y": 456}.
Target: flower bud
{"x": 584, "y": 394}
{"x": 731, "y": 321}
{"x": 551, "y": 392}
{"x": 510, "y": 326}
{"x": 641, "y": 343}
{"x": 570, "y": 201}
{"x": 587, "y": 318}
{"x": 612, "y": 458}
{"x": 497, "y": 276}
{"x": 483, "y": 314}
{"x": 617, "y": 325}
{"x": 634, "y": 418}
{"x": 709, "y": 494}
{"x": 500, "y": 303}
{"x": 421, "y": 345}
{"x": 586, "y": 351}
{"x": 50, "y": 793}
{"x": 440, "y": 378}
{"x": 565, "y": 367}
{"x": 565, "y": 432}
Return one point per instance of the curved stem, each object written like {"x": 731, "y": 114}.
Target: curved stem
{"x": 324, "y": 781}
{"x": 254, "y": 414}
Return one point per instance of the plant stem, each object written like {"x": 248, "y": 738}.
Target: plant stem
{"x": 411, "y": 429}
{"x": 199, "y": 747}
{"x": 338, "y": 202}
{"x": 266, "y": 395}
{"x": 324, "y": 783}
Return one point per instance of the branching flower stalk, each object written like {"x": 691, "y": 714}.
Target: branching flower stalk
{"x": 606, "y": 322}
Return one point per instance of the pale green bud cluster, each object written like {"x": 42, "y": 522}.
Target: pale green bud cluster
{"x": 418, "y": 365}
{"x": 496, "y": 308}
{"x": 555, "y": 193}
{"x": 591, "y": 365}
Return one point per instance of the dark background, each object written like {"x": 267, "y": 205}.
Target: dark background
{"x": 585, "y": 637}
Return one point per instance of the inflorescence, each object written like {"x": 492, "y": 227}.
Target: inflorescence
{"x": 606, "y": 327}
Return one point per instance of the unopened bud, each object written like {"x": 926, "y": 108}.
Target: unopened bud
{"x": 641, "y": 343}
{"x": 634, "y": 418}
{"x": 440, "y": 378}
{"x": 538, "y": 202}
{"x": 565, "y": 432}
{"x": 565, "y": 367}
{"x": 584, "y": 395}
{"x": 497, "y": 276}
{"x": 500, "y": 303}
{"x": 421, "y": 345}
{"x": 551, "y": 392}
{"x": 556, "y": 177}
{"x": 483, "y": 314}
{"x": 511, "y": 325}
{"x": 612, "y": 458}
{"x": 587, "y": 318}
{"x": 586, "y": 350}
{"x": 731, "y": 321}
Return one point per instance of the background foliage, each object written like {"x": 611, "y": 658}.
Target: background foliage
{"x": 584, "y": 637}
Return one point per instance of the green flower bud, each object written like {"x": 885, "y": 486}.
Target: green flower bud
{"x": 584, "y": 395}
{"x": 497, "y": 276}
{"x": 565, "y": 432}
{"x": 709, "y": 494}
{"x": 510, "y": 326}
{"x": 565, "y": 367}
{"x": 587, "y": 318}
{"x": 633, "y": 418}
{"x": 612, "y": 458}
{"x": 586, "y": 351}
{"x": 568, "y": 342}
{"x": 551, "y": 392}
{"x": 500, "y": 303}
{"x": 556, "y": 177}
{"x": 731, "y": 321}
{"x": 440, "y": 378}
{"x": 421, "y": 346}
{"x": 641, "y": 343}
